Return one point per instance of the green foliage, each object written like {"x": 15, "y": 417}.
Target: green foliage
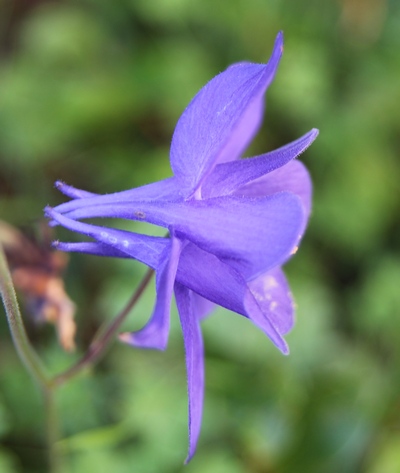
{"x": 90, "y": 93}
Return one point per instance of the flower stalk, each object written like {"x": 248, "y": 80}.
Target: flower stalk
{"x": 104, "y": 337}
{"x": 30, "y": 360}
{"x": 25, "y": 351}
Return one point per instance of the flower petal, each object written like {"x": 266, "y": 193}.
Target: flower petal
{"x": 204, "y": 307}
{"x": 230, "y": 177}
{"x": 90, "y": 248}
{"x": 144, "y": 248}
{"x": 155, "y": 333}
{"x": 293, "y": 178}
{"x": 194, "y": 351}
{"x": 72, "y": 192}
{"x": 167, "y": 189}
{"x": 272, "y": 293}
{"x": 211, "y": 280}
{"x": 221, "y": 120}
{"x": 216, "y": 281}
{"x": 256, "y": 234}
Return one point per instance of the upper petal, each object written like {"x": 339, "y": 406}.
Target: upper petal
{"x": 230, "y": 177}
{"x": 221, "y": 120}
{"x": 293, "y": 178}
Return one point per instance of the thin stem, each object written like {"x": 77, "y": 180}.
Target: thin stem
{"x": 24, "y": 349}
{"x": 52, "y": 431}
{"x": 102, "y": 340}
{"x": 30, "y": 359}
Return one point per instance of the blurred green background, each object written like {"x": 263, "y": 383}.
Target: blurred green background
{"x": 90, "y": 91}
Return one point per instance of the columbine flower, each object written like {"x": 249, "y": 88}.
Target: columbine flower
{"x": 232, "y": 223}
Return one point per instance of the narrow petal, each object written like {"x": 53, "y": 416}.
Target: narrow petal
{"x": 72, "y": 192}
{"x": 90, "y": 248}
{"x": 194, "y": 351}
{"x": 293, "y": 178}
{"x": 167, "y": 189}
{"x": 229, "y": 177}
{"x": 221, "y": 120}
{"x": 155, "y": 333}
{"x": 256, "y": 234}
{"x": 144, "y": 248}
{"x": 272, "y": 293}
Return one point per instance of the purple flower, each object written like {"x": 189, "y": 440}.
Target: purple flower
{"x": 232, "y": 222}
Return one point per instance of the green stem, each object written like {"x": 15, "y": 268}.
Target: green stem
{"x": 52, "y": 431}
{"x": 30, "y": 359}
{"x": 25, "y": 351}
{"x": 104, "y": 337}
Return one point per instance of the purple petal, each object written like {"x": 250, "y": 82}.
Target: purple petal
{"x": 293, "y": 178}
{"x": 204, "y": 307}
{"x": 194, "y": 351}
{"x": 90, "y": 248}
{"x": 144, "y": 248}
{"x": 229, "y": 177}
{"x": 155, "y": 333}
{"x": 192, "y": 272}
{"x": 257, "y": 234}
{"x": 213, "y": 281}
{"x": 272, "y": 293}
{"x": 216, "y": 281}
{"x": 72, "y": 191}
{"x": 167, "y": 189}
{"x": 221, "y": 120}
